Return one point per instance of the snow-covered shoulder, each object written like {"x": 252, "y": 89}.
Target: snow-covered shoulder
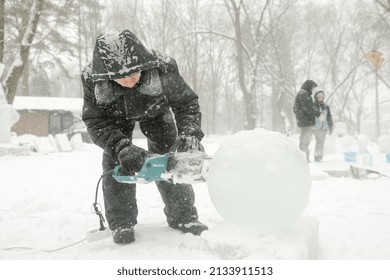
{"x": 166, "y": 63}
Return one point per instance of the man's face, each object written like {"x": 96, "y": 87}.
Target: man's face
{"x": 129, "y": 81}
{"x": 320, "y": 97}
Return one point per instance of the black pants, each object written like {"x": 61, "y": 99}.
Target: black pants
{"x": 305, "y": 139}
{"x": 120, "y": 199}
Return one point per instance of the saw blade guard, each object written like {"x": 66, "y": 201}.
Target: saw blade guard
{"x": 188, "y": 167}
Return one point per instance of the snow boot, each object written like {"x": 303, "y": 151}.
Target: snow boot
{"x": 123, "y": 234}
{"x": 195, "y": 227}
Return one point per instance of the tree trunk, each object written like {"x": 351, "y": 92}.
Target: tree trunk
{"x": 23, "y": 87}
{"x": 213, "y": 116}
{"x": 1, "y": 30}
{"x": 194, "y": 15}
{"x": 277, "y": 122}
{"x": 79, "y": 48}
{"x": 248, "y": 97}
{"x": 16, "y": 69}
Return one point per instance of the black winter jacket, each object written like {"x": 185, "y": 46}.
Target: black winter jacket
{"x": 304, "y": 107}
{"x": 110, "y": 110}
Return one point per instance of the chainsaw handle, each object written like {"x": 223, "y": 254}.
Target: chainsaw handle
{"x": 181, "y": 141}
{"x": 174, "y": 147}
{"x": 152, "y": 169}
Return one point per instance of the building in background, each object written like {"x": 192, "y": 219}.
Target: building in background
{"x": 42, "y": 116}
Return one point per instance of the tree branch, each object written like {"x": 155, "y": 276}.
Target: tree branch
{"x": 345, "y": 79}
{"x": 246, "y": 50}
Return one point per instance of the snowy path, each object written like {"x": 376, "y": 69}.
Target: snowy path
{"x": 45, "y": 203}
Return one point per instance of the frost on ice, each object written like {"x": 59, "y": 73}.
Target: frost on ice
{"x": 259, "y": 178}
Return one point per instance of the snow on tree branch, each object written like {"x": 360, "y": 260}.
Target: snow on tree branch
{"x": 17, "y": 67}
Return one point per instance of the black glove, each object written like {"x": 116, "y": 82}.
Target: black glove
{"x": 131, "y": 159}
{"x": 187, "y": 144}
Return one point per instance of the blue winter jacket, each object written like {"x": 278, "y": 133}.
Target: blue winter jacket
{"x": 324, "y": 121}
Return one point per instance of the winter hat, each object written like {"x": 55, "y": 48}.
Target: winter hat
{"x": 119, "y": 54}
{"x": 309, "y": 85}
{"x": 319, "y": 93}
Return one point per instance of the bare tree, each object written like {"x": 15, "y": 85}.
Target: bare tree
{"x": 260, "y": 22}
{"x": 16, "y": 69}
{"x": 235, "y": 11}
{"x": 385, "y": 4}
{"x": 1, "y": 30}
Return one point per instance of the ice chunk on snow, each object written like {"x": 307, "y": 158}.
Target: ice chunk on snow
{"x": 43, "y": 145}
{"x": 53, "y": 142}
{"x": 63, "y": 143}
{"x": 76, "y": 142}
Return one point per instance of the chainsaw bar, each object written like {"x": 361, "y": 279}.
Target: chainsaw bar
{"x": 189, "y": 167}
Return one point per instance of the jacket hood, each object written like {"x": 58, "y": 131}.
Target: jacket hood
{"x": 119, "y": 54}
{"x": 309, "y": 85}
{"x": 317, "y": 93}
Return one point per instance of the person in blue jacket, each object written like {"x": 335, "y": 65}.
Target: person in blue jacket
{"x": 322, "y": 126}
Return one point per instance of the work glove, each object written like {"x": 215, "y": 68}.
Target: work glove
{"x": 131, "y": 159}
{"x": 187, "y": 144}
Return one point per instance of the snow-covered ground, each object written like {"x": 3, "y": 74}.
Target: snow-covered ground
{"x": 45, "y": 204}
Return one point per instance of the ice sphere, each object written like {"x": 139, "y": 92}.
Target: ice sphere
{"x": 259, "y": 178}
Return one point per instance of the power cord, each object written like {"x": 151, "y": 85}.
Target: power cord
{"x": 43, "y": 250}
{"x": 96, "y": 209}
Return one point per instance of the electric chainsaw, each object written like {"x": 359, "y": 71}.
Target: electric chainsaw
{"x": 173, "y": 167}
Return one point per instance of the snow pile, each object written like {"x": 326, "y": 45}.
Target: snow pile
{"x": 49, "y": 144}
{"x": 298, "y": 241}
{"x": 317, "y": 174}
{"x": 259, "y": 178}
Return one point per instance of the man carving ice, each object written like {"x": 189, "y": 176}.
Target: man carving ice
{"x": 126, "y": 83}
